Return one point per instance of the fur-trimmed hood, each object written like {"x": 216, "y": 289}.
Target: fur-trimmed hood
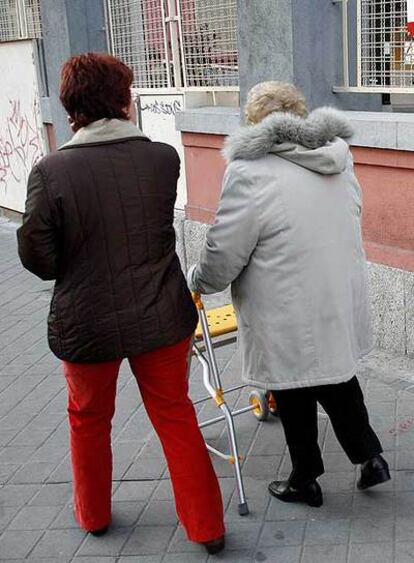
{"x": 317, "y": 142}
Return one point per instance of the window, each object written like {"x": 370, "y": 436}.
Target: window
{"x": 384, "y": 59}
{"x": 19, "y": 19}
{"x": 176, "y": 43}
{"x": 209, "y": 42}
{"x": 386, "y": 49}
{"x": 138, "y": 37}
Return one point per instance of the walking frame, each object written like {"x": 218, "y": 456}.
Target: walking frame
{"x": 221, "y": 325}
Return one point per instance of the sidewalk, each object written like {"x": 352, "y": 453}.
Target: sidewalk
{"x": 36, "y": 521}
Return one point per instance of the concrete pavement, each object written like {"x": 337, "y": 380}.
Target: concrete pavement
{"x": 36, "y": 522}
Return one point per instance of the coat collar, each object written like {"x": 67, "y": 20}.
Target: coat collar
{"x": 319, "y": 128}
{"x": 105, "y": 131}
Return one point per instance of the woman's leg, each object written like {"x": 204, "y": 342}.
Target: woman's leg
{"x": 162, "y": 379}
{"x": 92, "y": 390}
{"x": 345, "y": 406}
{"x": 298, "y": 413}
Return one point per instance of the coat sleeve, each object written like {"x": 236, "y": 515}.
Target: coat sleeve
{"x": 233, "y": 237}
{"x": 38, "y": 237}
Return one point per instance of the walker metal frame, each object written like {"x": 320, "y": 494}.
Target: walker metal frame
{"x": 203, "y": 350}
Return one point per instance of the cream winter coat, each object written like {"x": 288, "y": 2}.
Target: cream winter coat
{"x": 287, "y": 236}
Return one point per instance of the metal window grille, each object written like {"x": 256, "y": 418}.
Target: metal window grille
{"x": 209, "y": 42}
{"x": 386, "y": 49}
{"x": 19, "y": 19}
{"x": 138, "y": 37}
{"x": 9, "y": 21}
{"x": 32, "y": 16}
{"x": 174, "y": 43}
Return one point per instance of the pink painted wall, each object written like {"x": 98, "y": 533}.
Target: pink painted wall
{"x": 387, "y": 180}
{"x": 204, "y": 167}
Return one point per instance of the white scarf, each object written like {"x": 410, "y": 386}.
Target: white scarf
{"x": 105, "y": 130}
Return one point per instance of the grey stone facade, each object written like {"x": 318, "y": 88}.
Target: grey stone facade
{"x": 392, "y": 291}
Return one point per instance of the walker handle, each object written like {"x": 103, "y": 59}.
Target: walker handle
{"x": 198, "y": 301}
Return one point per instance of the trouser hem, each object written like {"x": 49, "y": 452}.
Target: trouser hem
{"x": 206, "y": 537}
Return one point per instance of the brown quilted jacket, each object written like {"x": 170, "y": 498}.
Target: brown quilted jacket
{"x": 99, "y": 221}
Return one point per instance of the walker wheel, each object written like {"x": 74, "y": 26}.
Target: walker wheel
{"x": 261, "y": 408}
{"x": 271, "y": 403}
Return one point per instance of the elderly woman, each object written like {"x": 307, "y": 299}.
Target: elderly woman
{"x": 287, "y": 236}
{"x": 99, "y": 221}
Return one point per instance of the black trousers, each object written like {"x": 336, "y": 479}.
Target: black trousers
{"x": 344, "y": 404}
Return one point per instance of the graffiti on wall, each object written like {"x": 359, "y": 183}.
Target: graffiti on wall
{"x": 161, "y": 107}
{"x": 20, "y": 143}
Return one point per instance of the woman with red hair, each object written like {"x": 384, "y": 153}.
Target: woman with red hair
{"x": 99, "y": 220}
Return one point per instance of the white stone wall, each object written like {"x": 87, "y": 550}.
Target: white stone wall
{"x": 22, "y": 141}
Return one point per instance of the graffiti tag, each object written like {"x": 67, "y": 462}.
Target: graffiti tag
{"x": 403, "y": 426}
{"x": 163, "y": 108}
{"x": 20, "y": 144}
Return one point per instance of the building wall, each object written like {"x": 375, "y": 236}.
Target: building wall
{"x": 204, "y": 169}
{"x": 299, "y": 41}
{"x": 22, "y": 138}
{"x": 386, "y": 177}
{"x": 265, "y": 38}
{"x": 69, "y": 27}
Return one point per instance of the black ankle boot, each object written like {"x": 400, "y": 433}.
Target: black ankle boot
{"x": 100, "y": 532}
{"x": 310, "y": 494}
{"x": 373, "y": 472}
{"x": 215, "y": 546}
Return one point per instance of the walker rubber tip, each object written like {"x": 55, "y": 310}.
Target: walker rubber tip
{"x": 243, "y": 509}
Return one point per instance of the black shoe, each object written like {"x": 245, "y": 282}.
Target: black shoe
{"x": 373, "y": 472}
{"x": 310, "y": 494}
{"x": 100, "y": 532}
{"x": 214, "y": 546}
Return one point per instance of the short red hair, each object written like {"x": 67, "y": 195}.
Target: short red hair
{"x": 94, "y": 86}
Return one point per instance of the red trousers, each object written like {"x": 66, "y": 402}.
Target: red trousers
{"x": 162, "y": 380}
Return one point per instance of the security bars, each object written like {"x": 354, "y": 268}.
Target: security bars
{"x": 19, "y": 19}
{"x": 386, "y": 49}
{"x": 176, "y": 43}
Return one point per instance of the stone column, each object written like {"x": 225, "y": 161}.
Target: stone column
{"x": 69, "y": 27}
{"x": 265, "y": 40}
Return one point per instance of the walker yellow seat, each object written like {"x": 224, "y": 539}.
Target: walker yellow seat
{"x": 221, "y": 321}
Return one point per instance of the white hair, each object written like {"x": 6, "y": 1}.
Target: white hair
{"x": 274, "y": 96}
